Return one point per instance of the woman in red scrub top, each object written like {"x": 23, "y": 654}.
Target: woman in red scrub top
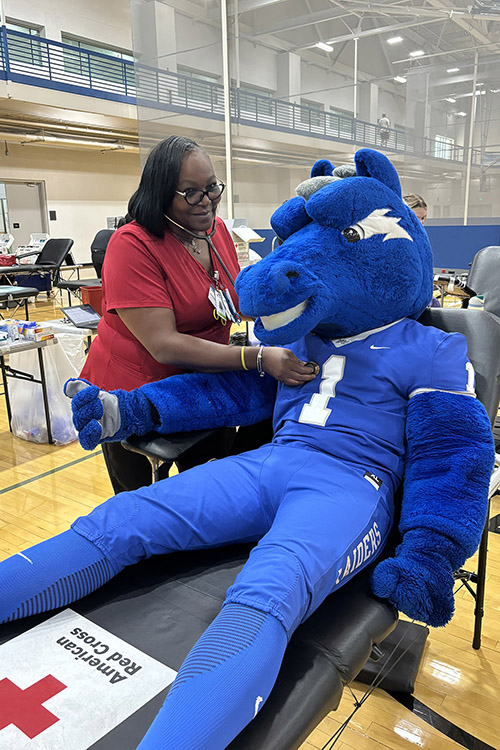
{"x": 161, "y": 282}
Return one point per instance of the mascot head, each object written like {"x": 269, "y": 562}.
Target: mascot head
{"x": 354, "y": 257}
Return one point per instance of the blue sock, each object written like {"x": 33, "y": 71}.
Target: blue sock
{"x": 50, "y": 575}
{"x": 223, "y": 682}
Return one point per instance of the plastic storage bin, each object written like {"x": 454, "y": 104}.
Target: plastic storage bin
{"x": 92, "y": 295}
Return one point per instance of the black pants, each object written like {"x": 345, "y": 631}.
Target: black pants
{"x": 129, "y": 471}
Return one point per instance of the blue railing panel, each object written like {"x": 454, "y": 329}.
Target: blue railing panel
{"x": 42, "y": 62}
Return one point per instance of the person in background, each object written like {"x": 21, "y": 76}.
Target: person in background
{"x": 419, "y": 208}
{"x": 384, "y": 124}
{"x": 163, "y": 284}
{"x": 417, "y": 205}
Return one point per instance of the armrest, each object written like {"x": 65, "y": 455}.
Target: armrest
{"x": 166, "y": 447}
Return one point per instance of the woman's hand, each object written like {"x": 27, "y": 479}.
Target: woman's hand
{"x": 283, "y": 365}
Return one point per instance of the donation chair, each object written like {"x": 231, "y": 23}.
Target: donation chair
{"x": 97, "y": 250}
{"x": 48, "y": 263}
{"x": 163, "y": 605}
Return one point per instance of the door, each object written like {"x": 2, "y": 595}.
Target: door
{"x": 25, "y": 210}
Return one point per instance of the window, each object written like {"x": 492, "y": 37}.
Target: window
{"x": 80, "y": 63}
{"x": 311, "y": 113}
{"x": 198, "y": 87}
{"x": 22, "y": 50}
{"x": 443, "y": 147}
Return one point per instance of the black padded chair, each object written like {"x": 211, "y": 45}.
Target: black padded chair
{"x": 164, "y": 604}
{"x": 97, "y": 250}
{"x": 484, "y": 277}
{"x": 48, "y": 263}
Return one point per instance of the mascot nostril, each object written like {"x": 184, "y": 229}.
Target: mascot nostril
{"x": 392, "y": 407}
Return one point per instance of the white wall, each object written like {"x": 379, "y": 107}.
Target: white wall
{"x": 83, "y": 187}
{"x": 106, "y": 21}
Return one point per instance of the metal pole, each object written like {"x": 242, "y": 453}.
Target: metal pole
{"x": 471, "y": 136}
{"x": 355, "y": 69}
{"x": 236, "y": 44}
{"x": 227, "y": 110}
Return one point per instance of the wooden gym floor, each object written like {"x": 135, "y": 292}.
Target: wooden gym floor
{"x": 43, "y": 488}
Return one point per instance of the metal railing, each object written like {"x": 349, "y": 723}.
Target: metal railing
{"x": 42, "y": 62}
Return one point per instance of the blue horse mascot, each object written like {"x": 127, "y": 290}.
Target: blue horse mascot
{"x": 392, "y": 402}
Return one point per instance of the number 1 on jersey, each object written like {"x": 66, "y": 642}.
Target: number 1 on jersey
{"x": 317, "y": 411}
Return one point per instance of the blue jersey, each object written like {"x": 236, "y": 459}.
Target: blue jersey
{"x": 355, "y": 409}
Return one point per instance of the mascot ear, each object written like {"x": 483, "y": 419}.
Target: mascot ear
{"x": 290, "y": 217}
{"x": 370, "y": 163}
{"x": 322, "y": 168}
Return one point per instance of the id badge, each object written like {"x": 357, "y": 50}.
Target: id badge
{"x": 232, "y": 310}
{"x": 212, "y": 296}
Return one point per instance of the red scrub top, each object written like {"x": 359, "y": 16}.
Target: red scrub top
{"x": 141, "y": 270}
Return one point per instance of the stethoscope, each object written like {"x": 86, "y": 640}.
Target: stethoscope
{"x": 208, "y": 239}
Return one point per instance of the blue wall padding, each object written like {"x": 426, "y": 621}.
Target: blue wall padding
{"x": 454, "y": 246}
{"x": 264, "y": 248}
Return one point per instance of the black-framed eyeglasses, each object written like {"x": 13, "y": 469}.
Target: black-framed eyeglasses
{"x": 194, "y": 196}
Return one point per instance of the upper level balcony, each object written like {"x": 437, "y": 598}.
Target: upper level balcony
{"x": 36, "y": 61}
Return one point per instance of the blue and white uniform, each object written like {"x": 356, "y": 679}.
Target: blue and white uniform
{"x": 319, "y": 498}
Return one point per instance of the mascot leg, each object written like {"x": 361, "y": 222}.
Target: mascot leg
{"x": 51, "y": 574}
{"x": 207, "y": 506}
{"x": 230, "y": 672}
{"x": 222, "y": 684}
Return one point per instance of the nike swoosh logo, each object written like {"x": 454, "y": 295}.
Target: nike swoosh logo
{"x": 379, "y": 347}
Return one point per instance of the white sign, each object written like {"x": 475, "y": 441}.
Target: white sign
{"x": 67, "y": 682}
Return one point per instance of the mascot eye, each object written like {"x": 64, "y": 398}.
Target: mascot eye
{"x": 353, "y": 234}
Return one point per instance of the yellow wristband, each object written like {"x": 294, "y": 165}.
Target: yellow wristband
{"x": 242, "y": 353}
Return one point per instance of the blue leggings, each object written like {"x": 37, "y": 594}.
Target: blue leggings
{"x": 317, "y": 522}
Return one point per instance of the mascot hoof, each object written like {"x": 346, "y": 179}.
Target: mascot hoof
{"x": 422, "y": 593}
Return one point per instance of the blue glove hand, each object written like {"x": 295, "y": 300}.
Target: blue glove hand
{"x": 418, "y": 581}
{"x": 96, "y": 413}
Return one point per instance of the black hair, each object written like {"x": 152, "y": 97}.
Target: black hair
{"x": 156, "y": 190}
{"x": 124, "y": 220}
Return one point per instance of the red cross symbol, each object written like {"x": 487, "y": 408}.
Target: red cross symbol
{"x": 24, "y": 709}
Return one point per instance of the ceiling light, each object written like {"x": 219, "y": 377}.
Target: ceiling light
{"x": 453, "y": 70}
{"x": 450, "y": 99}
{"x": 394, "y": 39}
{"x": 324, "y": 46}
{"x": 417, "y": 53}
{"x": 461, "y": 114}
{"x": 480, "y": 93}
{"x": 400, "y": 79}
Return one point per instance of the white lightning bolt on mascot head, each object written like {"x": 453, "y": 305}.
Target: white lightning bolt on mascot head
{"x": 354, "y": 257}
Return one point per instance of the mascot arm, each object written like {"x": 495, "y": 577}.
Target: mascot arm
{"x": 180, "y": 403}
{"x": 449, "y": 460}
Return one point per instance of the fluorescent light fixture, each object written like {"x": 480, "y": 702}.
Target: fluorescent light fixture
{"x": 461, "y": 114}
{"x": 400, "y": 79}
{"x": 453, "y": 70}
{"x": 394, "y": 40}
{"x": 450, "y": 99}
{"x": 324, "y": 46}
{"x": 417, "y": 53}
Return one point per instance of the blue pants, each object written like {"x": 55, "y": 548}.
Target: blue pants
{"x": 317, "y": 521}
